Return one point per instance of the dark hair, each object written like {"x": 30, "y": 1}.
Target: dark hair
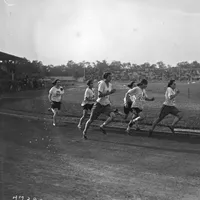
{"x": 143, "y": 82}
{"x": 55, "y": 81}
{"x": 89, "y": 82}
{"x": 130, "y": 85}
{"x": 106, "y": 74}
{"x": 170, "y": 83}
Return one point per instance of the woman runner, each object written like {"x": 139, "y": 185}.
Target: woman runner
{"x": 55, "y": 98}
{"x": 88, "y": 102}
{"x": 169, "y": 107}
{"x": 138, "y": 96}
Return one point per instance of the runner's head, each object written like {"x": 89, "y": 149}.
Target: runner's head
{"x": 90, "y": 83}
{"x": 143, "y": 84}
{"x": 172, "y": 84}
{"x": 107, "y": 76}
{"x": 56, "y": 82}
{"x": 132, "y": 84}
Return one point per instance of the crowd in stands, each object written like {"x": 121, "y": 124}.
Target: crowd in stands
{"x": 21, "y": 84}
{"x": 26, "y": 84}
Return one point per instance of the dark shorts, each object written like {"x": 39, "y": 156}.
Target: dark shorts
{"x": 55, "y": 104}
{"x": 133, "y": 110}
{"x": 99, "y": 109}
{"x": 137, "y": 111}
{"x": 128, "y": 109}
{"x": 166, "y": 110}
{"x": 87, "y": 106}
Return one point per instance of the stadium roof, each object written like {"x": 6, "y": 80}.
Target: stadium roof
{"x": 6, "y": 56}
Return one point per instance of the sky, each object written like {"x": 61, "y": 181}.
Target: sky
{"x": 136, "y": 31}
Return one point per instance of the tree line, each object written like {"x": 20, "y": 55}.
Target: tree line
{"x": 121, "y": 71}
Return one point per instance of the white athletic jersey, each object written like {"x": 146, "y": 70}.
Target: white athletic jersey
{"x": 104, "y": 88}
{"x": 131, "y": 98}
{"x": 168, "y": 93}
{"x": 89, "y": 93}
{"x": 56, "y": 93}
{"x": 138, "y": 97}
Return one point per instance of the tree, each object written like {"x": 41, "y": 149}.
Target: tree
{"x": 161, "y": 65}
{"x": 115, "y": 66}
{"x": 101, "y": 67}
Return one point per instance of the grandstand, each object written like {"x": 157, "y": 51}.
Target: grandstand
{"x": 8, "y": 64}
{"x": 17, "y": 74}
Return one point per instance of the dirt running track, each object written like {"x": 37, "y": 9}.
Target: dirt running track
{"x": 53, "y": 163}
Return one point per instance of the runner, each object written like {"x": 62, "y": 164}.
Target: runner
{"x": 102, "y": 105}
{"x": 128, "y": 109}
{"x": 55, "y": 98}
{"x": 169, "y": 107}
{"x": 88, "y": 102}
{"x": 138, "y": 96}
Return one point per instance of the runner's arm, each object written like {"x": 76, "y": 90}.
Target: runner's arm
{"x": 172, "y": 96}
{"x": 127, "y": 98}
{"x": 101, "y": 92}
{"x": 130, "y": 92}
{"x": 50, "y": 94}
{"x": 89, "y": 98}
{"x": 105, "y": 94}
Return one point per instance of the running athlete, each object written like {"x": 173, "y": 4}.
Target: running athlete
{"x": 169, "y": 107}
{"x": 55, "y": 98}
{"x": 88, "y": 102}
{"x": 102, "y": 105}
{"x": 128, "y": 109}
{"x": 138, "y": 96}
